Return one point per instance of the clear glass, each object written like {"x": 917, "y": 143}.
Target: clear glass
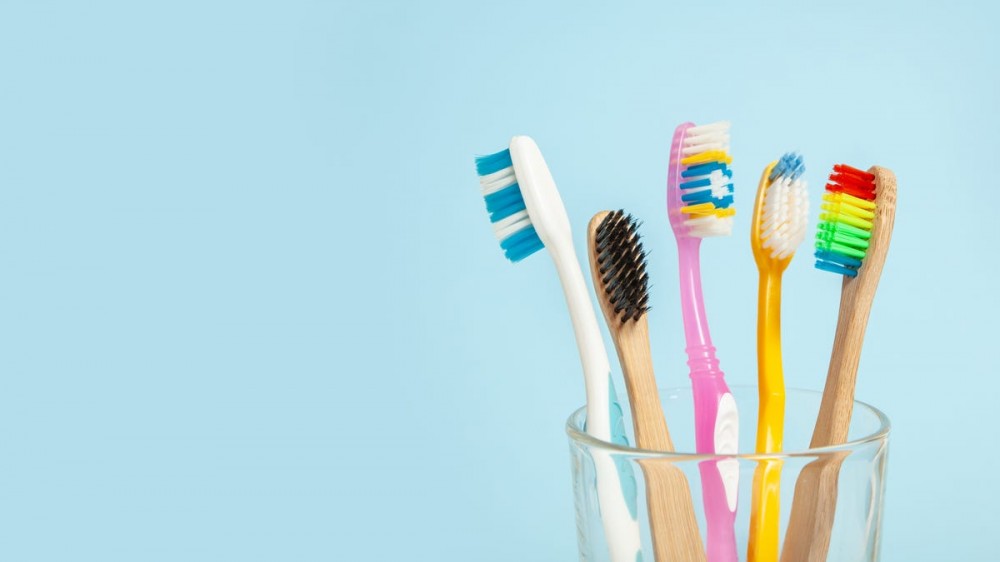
{"x": 857, "y": 467}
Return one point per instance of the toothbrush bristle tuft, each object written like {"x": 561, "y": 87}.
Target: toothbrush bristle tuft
{"x": 846, "y": 221}
{"x": 706, "y": 181}
{"x": 790, "y": 165}
{"x": 786, "y": 208}
{"x": 505, "y": 204}
{"x": 622, "y": 265}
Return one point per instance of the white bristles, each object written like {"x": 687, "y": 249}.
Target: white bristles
{"x": 702, "y": 138}
{"x": 718, "y": 126}
{"x": 492, "y": 183}
{"x": 784, "y": 217}
{"x": 711, "y": 225}
{"x": 509, "y": 225}
{"x": 720, "y": 184}
{"x": 721, "y": 144}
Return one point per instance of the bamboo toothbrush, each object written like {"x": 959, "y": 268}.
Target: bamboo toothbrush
{"x": 618, "y": 266}
{"x": 780, "y": 213}
{"x": 527, "y": 215}
{"x": 852, "y": 241}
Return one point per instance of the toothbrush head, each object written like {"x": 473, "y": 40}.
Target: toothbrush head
{"x": 619, "y": 264}
{"x": 842, "y": 237}
{"x": 780, "y": 212}
{"x": 505, "y": 204}
{"x": 521, "y": 198}
{"x": 699, "y": 182}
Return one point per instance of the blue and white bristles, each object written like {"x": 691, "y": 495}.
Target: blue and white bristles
{"x": 786, "y": 208}
{"x": 505, "y": 204}
{"x": 790, "y": 165}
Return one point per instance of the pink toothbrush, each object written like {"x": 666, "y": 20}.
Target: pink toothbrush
{"x": 700, "y": 204}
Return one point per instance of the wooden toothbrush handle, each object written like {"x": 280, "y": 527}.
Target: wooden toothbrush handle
{"x": 835, "y": 410}
{"x": 632, "y": 344}
{"x": 856, "y": 297}
{"x": 810, "y": 525}
{"x": 673, "y": 525}
{"x": 676, "y": 537}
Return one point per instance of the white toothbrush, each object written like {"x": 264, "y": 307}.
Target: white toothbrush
{"x": 528, "y": 214}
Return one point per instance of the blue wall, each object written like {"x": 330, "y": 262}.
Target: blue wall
{"x": 252, "y": 309}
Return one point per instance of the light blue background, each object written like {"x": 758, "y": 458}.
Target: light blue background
{"x": 252, "y": 309}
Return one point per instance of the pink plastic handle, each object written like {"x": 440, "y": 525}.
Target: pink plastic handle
{"x": 721, "y": 536}
{"x": 707, "y": 379}
{"x": 709, "y": 387}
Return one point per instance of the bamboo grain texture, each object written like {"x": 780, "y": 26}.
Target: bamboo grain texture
{"x": 814, "y": 506}
{"x": 674, "y": 527}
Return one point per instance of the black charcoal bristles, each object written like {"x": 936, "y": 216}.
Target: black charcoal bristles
{"x": 622, "y": 264}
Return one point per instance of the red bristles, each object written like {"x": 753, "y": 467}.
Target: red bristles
{"x": 852, "y": 181}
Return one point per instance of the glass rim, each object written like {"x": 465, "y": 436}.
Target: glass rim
{"x": 880, "y": 434}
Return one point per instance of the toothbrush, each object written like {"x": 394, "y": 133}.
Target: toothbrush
{"x": 852, "y": 240}
{"x": 699, "y": 204}
{"x": 527, "y": 215}
{"x": 618, "y": 267}
{"x": 780, "y": 213}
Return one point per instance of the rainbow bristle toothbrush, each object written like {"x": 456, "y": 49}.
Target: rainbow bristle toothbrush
{"x": 700, "y": 204}
{"x": 780, "y": 213}
{"x": 528, "y": 215}
{"x": 842, "y": 236}
{"x": 852, "y": 240}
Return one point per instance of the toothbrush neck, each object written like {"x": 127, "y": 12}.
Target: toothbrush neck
{"x": 769, "y": 368}
{"x": 769, "y": 298}
{"x": 701, "y": 352}
{"x": 589, "y": 341}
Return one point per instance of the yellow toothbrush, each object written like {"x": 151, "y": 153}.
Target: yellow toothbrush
{"x": 780, "y": 212}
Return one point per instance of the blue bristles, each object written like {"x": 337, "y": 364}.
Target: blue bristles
{"x": 518, "y": 238}
{"x": 521, "y": 244}
{"x": 790, "y": 165}
{"x": 834, "y": 268}
{"x": 491, "y": 163}
{"x": 837, "y": 263}
{"x": 726, "y": 201}
{"x": 504, "y": 203}
{"x": 703, "y": 182}
{"x": 696, "y": 197}
{"x": 705, "y": 169}
{"x": 693, "y": 191}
